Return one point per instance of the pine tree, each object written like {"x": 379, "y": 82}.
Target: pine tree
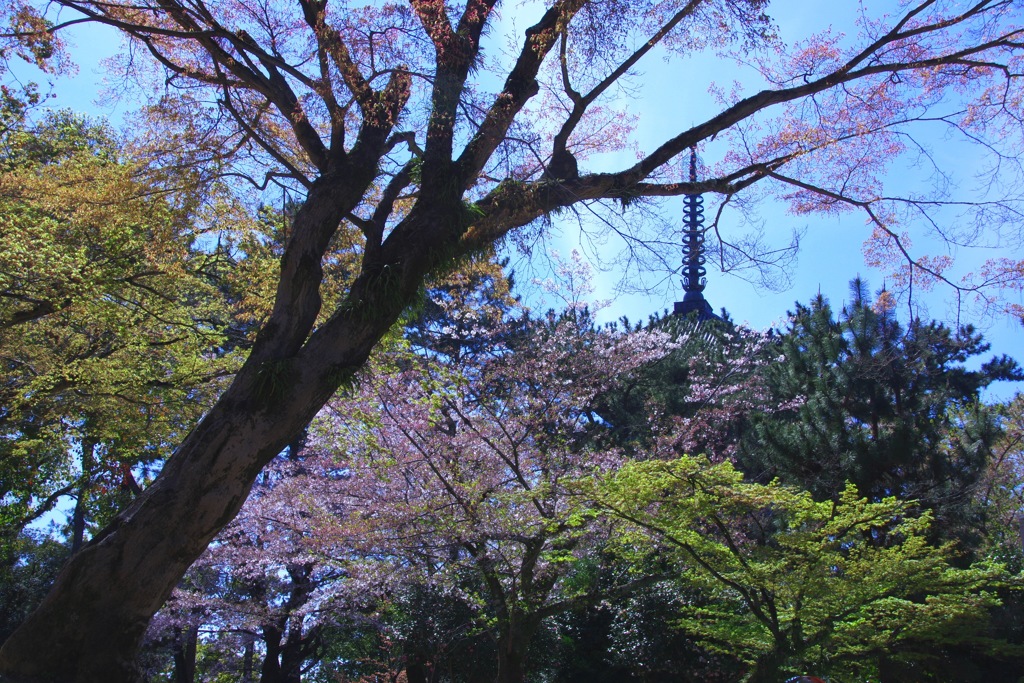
{"x": 892, "y": 409}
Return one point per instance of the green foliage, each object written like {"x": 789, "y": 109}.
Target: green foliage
{"x": 272, "y": 381}
{"x": 111, "y": 321}
{"x": 1002, "y": 487}
{"x": 768, "y": 580}
{"x": 894, "y": 410}
{"x": 793, "y": 584}
{"x": 27, "y": 568}
{"x": 61, "y": 136}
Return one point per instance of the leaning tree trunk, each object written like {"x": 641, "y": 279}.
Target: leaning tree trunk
{"x": 100, "y": 605}
{"x": 97, "y": 612}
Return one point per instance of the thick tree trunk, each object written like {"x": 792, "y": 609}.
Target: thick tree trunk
{"x": 292, "y": 658}
{"x": 511, "y": 666}
{"x": 97, "y": 612}
{"x": 287, "y": 653}
{"x": 105, "y": 596}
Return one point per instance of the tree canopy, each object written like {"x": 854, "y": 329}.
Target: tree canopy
{"x": 414, "y": 142}
{"x": 110, "y": 321}
{"x": 843, "y": 586}
{"x": 859, "y": 397}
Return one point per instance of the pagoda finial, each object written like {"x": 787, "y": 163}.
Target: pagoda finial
{"x": 694, "y": 272}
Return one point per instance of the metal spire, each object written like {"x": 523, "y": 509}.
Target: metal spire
{"x": 694, "y": 272}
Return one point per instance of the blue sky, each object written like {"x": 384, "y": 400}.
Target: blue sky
{"x": 667, "y": 99}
